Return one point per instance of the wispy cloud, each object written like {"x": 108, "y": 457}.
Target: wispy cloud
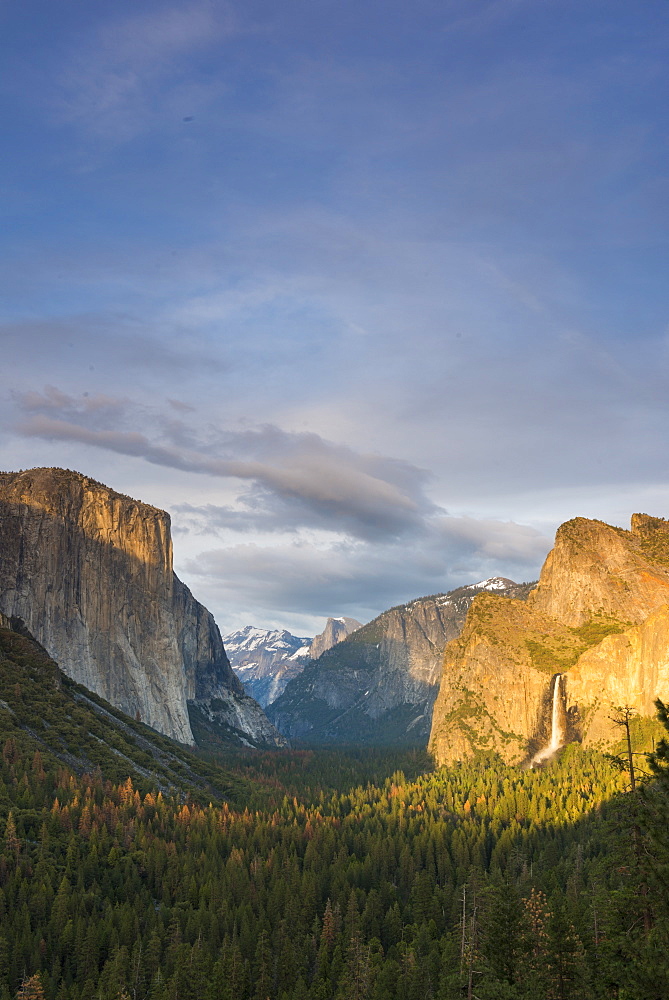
{"x": 343, "y": 531}
{"x": 493, "y": 540}
{"x": 98, "y": 409}
{"x": 362, "y": 579}
{"x": 314, "y": 480}
{"x": 119, "y": 344}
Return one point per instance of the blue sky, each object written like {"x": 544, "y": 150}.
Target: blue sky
{"x": 371, "y": 296}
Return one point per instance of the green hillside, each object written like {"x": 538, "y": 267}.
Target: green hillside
{"x": 42, "y": 710}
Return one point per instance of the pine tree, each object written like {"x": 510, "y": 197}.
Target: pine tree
{"x": 502, "y": 940}
{"x": 12, "y": 842}
{"x": 355, "y": 981}
{"x": 566, "y": 957}
{"x": 262, "y": 972}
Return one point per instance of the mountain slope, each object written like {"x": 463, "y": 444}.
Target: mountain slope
{"x": 90, "y": 573}
{"x": 599, "y": 618}
{"x": 41, "y": 709}
{"x": 379, "y": 684}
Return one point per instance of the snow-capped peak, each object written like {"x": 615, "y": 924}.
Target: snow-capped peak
{"x": 494, "y": 583}
{"x": 266, "y": 659}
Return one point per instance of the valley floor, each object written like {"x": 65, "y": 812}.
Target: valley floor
{"x": 336, "y": 876}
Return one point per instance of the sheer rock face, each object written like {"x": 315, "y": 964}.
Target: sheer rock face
{"x": 628, "y": 669}
{"x": 495, "y": 680}
{"x": 336, "y": 630}
{"x": 379, "y": 684}
{"x": 599, "y": 616}
{"x": 90, "y": 573}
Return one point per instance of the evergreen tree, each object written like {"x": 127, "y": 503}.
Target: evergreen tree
{"x": 502, "y": 940}
{"x": 355, "y": 982}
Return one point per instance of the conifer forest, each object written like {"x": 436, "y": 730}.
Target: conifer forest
{"x": 329, "y": 875}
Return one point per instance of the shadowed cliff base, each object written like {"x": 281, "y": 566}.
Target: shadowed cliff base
{"x": 46, "y": 709}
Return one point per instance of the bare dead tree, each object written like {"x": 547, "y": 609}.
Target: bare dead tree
{"x": 622, "y": 718}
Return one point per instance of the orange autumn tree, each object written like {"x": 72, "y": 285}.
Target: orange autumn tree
{"x": 31, "y": 988}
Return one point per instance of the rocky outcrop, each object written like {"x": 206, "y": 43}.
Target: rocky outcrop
{"x": 336, "y": 630}
{"x": 378, "y": 685}
{"x": 598, "y": 569}
{"x": 598, "y": 617}
{"x": 90, "y": 573}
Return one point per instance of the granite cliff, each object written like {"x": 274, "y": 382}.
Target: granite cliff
{"x": 378, "y": 685}
{"x": 52, "y": 718}
{"x": 336, "y": 630}
{"x": 599, "y": 618}
{"x": 89, "y": 572}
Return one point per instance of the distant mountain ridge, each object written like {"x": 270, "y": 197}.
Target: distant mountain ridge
{"x": 378, "y": 686}
{"x": 265, "y": 660}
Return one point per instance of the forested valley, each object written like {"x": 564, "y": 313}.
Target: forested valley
{"x": 479, "y": 880}
{"x": 316, "y": 875}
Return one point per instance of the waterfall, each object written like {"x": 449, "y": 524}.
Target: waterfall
{"x": 557, "y": 727}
